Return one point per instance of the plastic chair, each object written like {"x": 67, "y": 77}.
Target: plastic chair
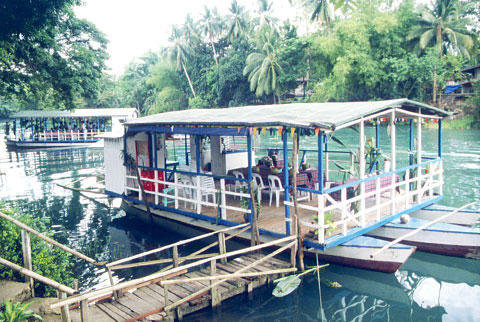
{"x": 207, "y": 185}
{"x": 239, "y": 185}
{"x": 276, "y": 186}
{"x": 188, "y": 191}
{"x": 258, "y": 183}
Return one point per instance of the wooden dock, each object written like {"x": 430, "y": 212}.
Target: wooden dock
{"x": 148, "y": 302}
{"x": 184, "y": 284}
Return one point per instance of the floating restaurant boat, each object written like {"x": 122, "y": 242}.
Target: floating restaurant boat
{"x": 211, "y": 187}
{"x": 80, "y": 127}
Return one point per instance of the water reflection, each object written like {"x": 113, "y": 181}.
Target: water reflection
{"x": 427, "y": 288}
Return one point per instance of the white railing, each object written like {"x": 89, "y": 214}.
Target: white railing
{"x": 67, "y": 135}
{"x": 356, "y": 203}
{"x": 170, "y": 194}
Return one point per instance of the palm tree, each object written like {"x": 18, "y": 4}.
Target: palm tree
{"x": 263, "y": 67}
{"x": 179, "y": 52}
{"x": 211, "y": 27}
{"x": 443, "y": 27}
{"x": 322, "y": 11}
{"x": 189, "y": 31}
{"x": 265, "y": 14}
{"x": 238, "y": 22}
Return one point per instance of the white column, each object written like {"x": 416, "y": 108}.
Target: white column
{"x": 393, "y": 141}
{"x": 419, "y": 156}
{"x": 362, "y": 173}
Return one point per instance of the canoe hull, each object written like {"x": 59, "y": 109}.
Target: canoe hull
{"x": 463, "y": 217}
{"x": 357, "y": 256}
{"x": 440, "y": 238}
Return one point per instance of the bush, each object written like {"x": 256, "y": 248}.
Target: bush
{"x": 48, "y": 260}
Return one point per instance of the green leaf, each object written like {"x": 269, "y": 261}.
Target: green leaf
{"x": 286, "y": 286}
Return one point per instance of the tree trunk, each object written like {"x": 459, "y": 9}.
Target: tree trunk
{"x": 298, "y": 227}
{"x": 214, "y": 51}
{"x": 188, "y": 78}
{"x": 434, "y": 84}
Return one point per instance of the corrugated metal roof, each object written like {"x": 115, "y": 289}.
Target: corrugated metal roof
{"x": 306, "y": 115}
{"x": 81, "y": 112}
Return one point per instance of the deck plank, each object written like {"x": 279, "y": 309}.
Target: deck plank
{"x": 150, "y": 298}
{"x": 94, "y": 314}
{"x": 114, "y": 312}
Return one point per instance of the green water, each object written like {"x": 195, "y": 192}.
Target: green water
{"x": 427, "y": 288}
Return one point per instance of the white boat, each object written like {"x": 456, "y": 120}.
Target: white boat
{"x": 52, "y": 129}
{"x": 206, "y": 190}
{"x": 440, "y": 238}
{"x": 465, "y": 217}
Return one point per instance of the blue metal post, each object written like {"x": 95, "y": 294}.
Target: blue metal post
{"x": 197, "y": 152}
{"x": 440, "y": 138}
{"x": 251, "y": 201}
{"x": 155, "y": 154}
{"x": 320, "y": 160}
{"x": 285, "y": 176}
{"x": 411, "y": 142}
{"x": 187, "y": 161}
{"x": 249, "y": 148}
{"x": 377, "y": 133}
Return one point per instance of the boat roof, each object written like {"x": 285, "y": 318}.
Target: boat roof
{"x": 307, "y": 115}
{"x": 80, "y": 112}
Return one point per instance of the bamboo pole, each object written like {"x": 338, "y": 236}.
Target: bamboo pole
{"x": 65, "y": 313}
{"x": 38, "y": 277}
{"x": 161, "y": 261}
{"x": 188, "y": 298}
{"x": 27, "y": 259}
{"x": 123, "y": 285}
{"x": 48, "y": 240}
{"x": 298, "y": 227}
{"x": 255, "y": 239}
{"x": 80, "y": 190}
{"x": 207, "y": 247}
{"x": 413, "y": 232}
{"x": 179, "y": 243}
{"x": 229, "y": 276}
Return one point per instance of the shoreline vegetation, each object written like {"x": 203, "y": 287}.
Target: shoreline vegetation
{"x": 466, "y": 122}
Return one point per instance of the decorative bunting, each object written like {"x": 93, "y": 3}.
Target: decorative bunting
{"x": 264, "y": 130}
{"x": 254, "y": 131}
{"x": 292, "y": 131}
{"x": 280, "y": 131}
{"x": 317, "y": 130}
{"x": 239, "y": 129}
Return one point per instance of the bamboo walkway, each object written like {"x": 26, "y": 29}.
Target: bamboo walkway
{"x": 147, "y": 303}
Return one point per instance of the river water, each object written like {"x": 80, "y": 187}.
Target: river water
{"x": 427, "y": 288}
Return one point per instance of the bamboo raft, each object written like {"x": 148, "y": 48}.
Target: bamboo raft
{"x": 148, "y": 301}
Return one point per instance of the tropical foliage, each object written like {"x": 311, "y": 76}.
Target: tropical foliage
{"x": 47, "y": 260}
{"x": 334, "y": 50}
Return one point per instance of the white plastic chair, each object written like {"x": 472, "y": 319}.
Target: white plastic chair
{"x": 239, "y": 184}
{"x": 258, "y": 183}
{"x": 276, "y": 186}
{"x": 188, "y": 191}
{"x": 207, "y": 185}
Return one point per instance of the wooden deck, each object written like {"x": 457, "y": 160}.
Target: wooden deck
{"x": 147, "y": 303}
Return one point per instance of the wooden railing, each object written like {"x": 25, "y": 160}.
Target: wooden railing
{"x": 164, "y": 277}
{"x": 62, "y": 290}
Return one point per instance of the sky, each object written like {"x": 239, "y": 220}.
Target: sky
{"x": 135, "y": 27}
